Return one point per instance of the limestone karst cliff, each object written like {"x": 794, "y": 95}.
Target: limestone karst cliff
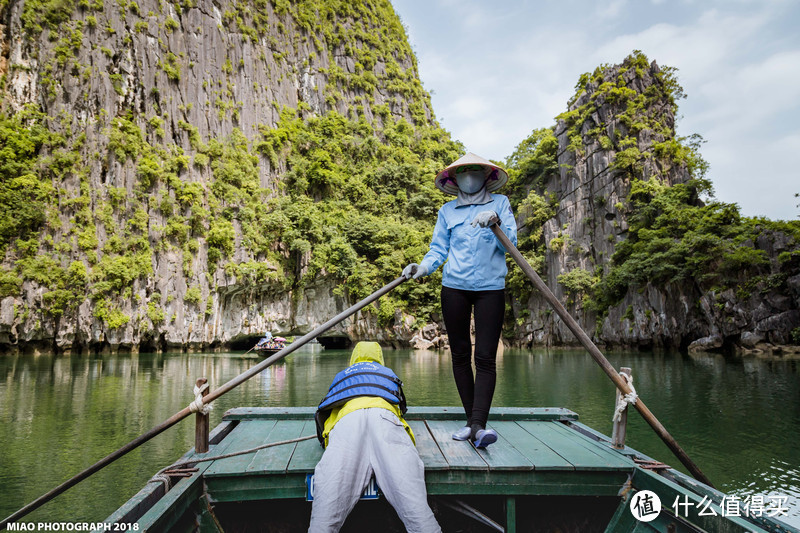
{"x": 610, "y": 210}
{"x": 185, "y": 174}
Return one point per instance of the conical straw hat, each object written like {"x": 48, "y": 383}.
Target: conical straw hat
{"x": 496, "y": 177}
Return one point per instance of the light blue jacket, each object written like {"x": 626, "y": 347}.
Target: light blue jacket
{"x": 476, "y": 261}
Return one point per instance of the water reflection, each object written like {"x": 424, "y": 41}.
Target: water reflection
{"x": 737, "y": 418}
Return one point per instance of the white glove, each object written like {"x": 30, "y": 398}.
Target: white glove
{"x": 414, "y": 270}
{"x": 483, "y": 219}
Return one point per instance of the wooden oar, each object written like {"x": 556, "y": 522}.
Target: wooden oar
{"x": 186, "y": 411}
{"x": 250, "y": 350}
{"x": 587, "y": 343}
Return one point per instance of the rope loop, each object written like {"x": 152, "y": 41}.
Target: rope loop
{"x": 197, "y": 406}
{"x": 625, "y": 399}
{"x": 161, "y": 478}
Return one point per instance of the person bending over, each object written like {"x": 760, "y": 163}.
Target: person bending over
{"x": 360, "y": 423}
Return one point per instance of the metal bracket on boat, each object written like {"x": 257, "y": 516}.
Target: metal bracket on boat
{"x": 471, "y": 512}
{"x": 181, "y": 472}
{"x": 165, "y": 476}
{"x": 651, "y": 465}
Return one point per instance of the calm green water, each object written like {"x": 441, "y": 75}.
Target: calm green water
{"x": 739, "y": 419}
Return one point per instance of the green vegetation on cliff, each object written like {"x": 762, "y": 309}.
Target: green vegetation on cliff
{"x": 349, "y": 189}
{"x": 360, "y": 203}
{"x": 673, "y": 238}
{"x": 24, "y": 192}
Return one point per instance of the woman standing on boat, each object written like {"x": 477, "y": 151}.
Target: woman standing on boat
{"x": 473, "y": 281}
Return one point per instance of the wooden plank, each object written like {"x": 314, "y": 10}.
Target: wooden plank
{"x": 307, "y": 453}
{"x": 603, "y": 440}
{"x": 276, "y": 459}
{"x": 222, "y": 430}
{"x": 609, "y": 454}
{"x": 522, "y": 483}
{"x": 169, "y": 509}
{"x": 511, "y": 514}
{"x": 255, "y": 488}
{"x": 502, "y": 455}
{"x": 460, "y": 455}
{"x": 152, "y": 493}
{"x": 428, "y": 450}
{"x": 414, "y": 413}
{"x": 567, "y": 447}
{"x": 497, "y": 413}
{"x": 679, "y": 478}
{"x": 535, "y": 451}
{"x": 271, "y": 413}
{"x": 247, "y": 434}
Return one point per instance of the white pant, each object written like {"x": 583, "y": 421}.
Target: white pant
{"x": 363, "y": 442}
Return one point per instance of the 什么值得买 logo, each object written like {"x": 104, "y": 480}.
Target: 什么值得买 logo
{"x": 645, "y": 505}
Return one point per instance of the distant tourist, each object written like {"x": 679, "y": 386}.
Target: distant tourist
{"x": 473, "y": 280}
{"x": 360, "y": 423}
{"x": 265, "y": 339}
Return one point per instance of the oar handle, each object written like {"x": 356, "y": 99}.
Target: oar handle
{"x": 180, "y": 415}
{"x": 596, "y": 354}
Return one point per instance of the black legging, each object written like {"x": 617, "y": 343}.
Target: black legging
{"x": 457, "y": 305}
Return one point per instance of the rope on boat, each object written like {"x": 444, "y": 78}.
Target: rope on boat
{"x": 625, "y": 399}
{"x": 162, "y": 477}
{"x": 197, "y": 406}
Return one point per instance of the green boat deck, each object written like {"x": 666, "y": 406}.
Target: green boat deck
{"x": 542, "y": 455}
{"x": 535, "y": 454}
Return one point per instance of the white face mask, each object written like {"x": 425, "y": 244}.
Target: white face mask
{"x": 472, "y": 181}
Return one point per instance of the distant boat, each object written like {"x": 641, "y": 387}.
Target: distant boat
{"x": 274, "y": 345}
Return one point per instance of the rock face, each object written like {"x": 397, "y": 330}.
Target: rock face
{"x": 143, "y": 90}
{"x": 592, "y": 188}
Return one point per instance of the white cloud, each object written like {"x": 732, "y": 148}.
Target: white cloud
{"x": 469, "y": 108}
{"x": 610, "y": 10}
{"x": 754, "y": 93}
{"x": 737, "y": 61}
{"x": 763, "y": 183}
{"x": 696, "y": 49}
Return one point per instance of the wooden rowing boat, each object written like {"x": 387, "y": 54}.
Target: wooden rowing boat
{"x": 547, "y": 472}
{"x": 271, "y": 347}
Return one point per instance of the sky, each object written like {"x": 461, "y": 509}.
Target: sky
{"x": 497, "y": 70}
